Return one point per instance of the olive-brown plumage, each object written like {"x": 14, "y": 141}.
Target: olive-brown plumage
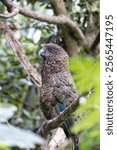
{"x": 58, "y": 89}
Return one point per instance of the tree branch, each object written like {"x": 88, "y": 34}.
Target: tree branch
{"x": 12, "y": 14}
{"x": 95, "y": 42}
{"x": 17, "y": 49}
{"x": 6, "y": 16}
{"x": 58, "y": 140}
{"x": 56, "y": 122}
{"x": 49, "y": 125}
{"x": 61, "y": 19}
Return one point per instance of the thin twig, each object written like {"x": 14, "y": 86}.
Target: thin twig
{"x": 10, "y": 15}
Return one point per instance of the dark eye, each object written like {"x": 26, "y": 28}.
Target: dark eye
{"x": 53, "y": 51}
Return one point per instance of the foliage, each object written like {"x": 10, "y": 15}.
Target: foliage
{"x": 6, "y": 112}
{"x": 86, "y": 75}
{"x": 13, "y": 136}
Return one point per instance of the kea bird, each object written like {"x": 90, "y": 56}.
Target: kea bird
{"x": 58, "y": 90}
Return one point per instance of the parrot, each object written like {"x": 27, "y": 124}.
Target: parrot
{"x": 58, "y": 89}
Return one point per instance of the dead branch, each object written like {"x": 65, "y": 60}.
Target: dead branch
{"x": 57, "y": 140}
{"x": 17, "y": 49}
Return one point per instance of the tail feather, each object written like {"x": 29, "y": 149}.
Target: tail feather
{"x": 66, "y": 126}
{"x": 75, "y": 140}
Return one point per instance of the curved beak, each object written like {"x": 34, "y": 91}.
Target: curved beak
{"x": 41, "y": 52}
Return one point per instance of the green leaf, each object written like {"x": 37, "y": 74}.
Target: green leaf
{"x": 6, "y": 111}
{"x": 85, "y": 71}
{"x": 13, "y": 136}
{"x": 88, "y": 121}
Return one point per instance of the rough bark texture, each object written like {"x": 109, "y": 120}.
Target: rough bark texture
{"x": 70, "y": 42}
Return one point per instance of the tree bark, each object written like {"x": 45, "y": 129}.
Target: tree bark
{"x": 70, "y": 42}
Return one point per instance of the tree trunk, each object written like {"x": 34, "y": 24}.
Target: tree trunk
{"x": 70, "y": 42}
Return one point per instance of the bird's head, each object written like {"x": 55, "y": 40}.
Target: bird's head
{"x": 52, "y": 50}
{"x": 54, "y": 55}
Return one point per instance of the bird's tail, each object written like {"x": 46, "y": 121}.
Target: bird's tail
{"x": 75, "y": 140}
{"x": 67, "y": 125}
